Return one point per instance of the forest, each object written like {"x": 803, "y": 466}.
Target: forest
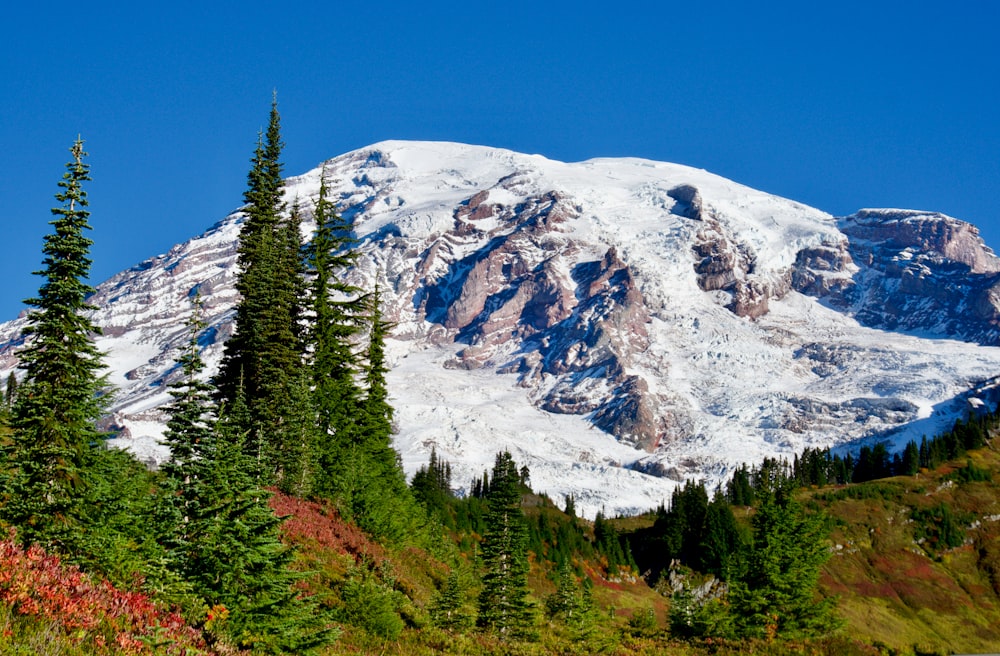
{"x": 283, "y": 522}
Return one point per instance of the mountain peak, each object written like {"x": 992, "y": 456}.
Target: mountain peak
{"x": 618, "y": 324}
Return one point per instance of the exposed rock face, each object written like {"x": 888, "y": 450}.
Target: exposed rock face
{"x": 578, "y": 322}
{"x": 893, "y": 269}
{"x": 919, "y": 271}
{"x": 726, "y": 264}
{"x": 620, "y": 325}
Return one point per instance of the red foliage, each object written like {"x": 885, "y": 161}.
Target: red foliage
{"x": 35, "y": 583}
{"x": 308, "y": 521}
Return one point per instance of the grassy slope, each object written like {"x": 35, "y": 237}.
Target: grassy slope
{"x": 897, "y": 592}
{"x": 892, "y": 591}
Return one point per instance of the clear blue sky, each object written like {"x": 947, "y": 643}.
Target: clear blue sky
{"x": 838, "y": 105}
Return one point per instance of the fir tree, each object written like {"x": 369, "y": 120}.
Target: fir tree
{"x": 265, "y": 353}
{"x": 431, "y": 485}
{"x": 10, "y": 394}
{"x": 236, "y": 559}
{"x": 447, "y": 607}
{"x": 565, "y": 601}
{"x": 337, "y": 308}
{"x": 503, "y": 602}
{"x": 774, "y": 593}
{"x": 190, "y": 435}
{"x": 381, "y": 501}
{"x": 377, "y": 413}
{"x": 59, "y": 400}
{"x": 720, "y": 540}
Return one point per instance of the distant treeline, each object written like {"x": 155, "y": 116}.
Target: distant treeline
{"x": 821, "y": 467}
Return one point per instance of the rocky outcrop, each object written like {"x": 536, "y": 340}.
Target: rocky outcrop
{"x": 916, "y": 271}
{"x": 929, "y": 233}
{"x": 726, "y": 264}
{"x": 526, "y": 303}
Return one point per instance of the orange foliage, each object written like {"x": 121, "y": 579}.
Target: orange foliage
{"x": 33, "y": 583}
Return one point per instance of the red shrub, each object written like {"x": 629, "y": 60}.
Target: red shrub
{"x": 309, "y": 521}
{"x": 37, "y": 584}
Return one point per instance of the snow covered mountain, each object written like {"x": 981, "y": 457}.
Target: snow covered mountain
{"x": 618, "y": 324}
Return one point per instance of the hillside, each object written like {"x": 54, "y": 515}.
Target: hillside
{"x": 916, "y": 560}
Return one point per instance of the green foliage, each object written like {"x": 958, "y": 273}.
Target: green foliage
{"x": 700, "y": 534}
{"x": 263, "y": 360}
{"x": 44, "y": 466}
{"x": 190, "y": 436}
{"x": 503, "y": 602}
{"x": 10, "y": 392}
{"x": 643, "y": 623}
{"x": 884, "y": 490}
{"x": 612, "y": 546}
{"x": 236, "y": 560}
{"x": 773, "y": 593}
{"x": 693, "y": 618}
{"x": 337, "y": 310}
{"x": 970, "y": 474}
{"x": 448, "y": 605}
{"x": 572, "y": 605}
{"x": 938, "y": 527}
{"x": 370, "y": 604}
{"x": 431, "y": 485}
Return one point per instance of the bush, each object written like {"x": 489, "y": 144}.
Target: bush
{"x": 94, "y": 615}
{"x": 371, "y": 606}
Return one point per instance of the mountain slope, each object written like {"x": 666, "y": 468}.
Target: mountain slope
{"x": 618, "y": 324}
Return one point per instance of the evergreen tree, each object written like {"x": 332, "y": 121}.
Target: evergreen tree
{"x": 608, "y": 542}
{"x": 59, "y": 400}
{"x": 774, "y": 593}
{"x": 720, "y": 541}
{"x": 565, "y": 602}
{"x": 572, "y": 604}
{"x": 337, "y": 310}
{"x": 447, "y": 607}
{"x": 10, "y": 394}
{"x": 190, "y": 435}
{"x": 377, "y": 413}
{"x": 503, "y": 602}
{"x": 431, "y": 485}
{"x": 265, "y": 353}
{"x": 911, "y": 459}
{"x": 236, "y": 559}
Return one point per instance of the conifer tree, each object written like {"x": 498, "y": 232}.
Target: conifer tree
{"x": 384, "y": 492}
{"x": 337, "y": 309}
{"x": 720, "y": 540}
{"x": 774, "y": 591}
{"x": 447, "y": 607}
{"x": 377, "y": 412}
{"x": 236, "y": 559}
{"x": 10, "y": 393}
{"x": 265, "y": 353}
{"x": 503, "y": 602}
{"x": 58, "y": 403}
{"x": 190, "y": 435}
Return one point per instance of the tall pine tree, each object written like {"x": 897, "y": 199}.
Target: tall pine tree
{"x": 503, "y": 602}
{"x": 236, "y": 559}
{"x": 774, "y": 591}
{"x": 190, "y": 435}
{"x": 338, "y": 309}
{"x": 59, "y": 400}
{"x": 265, "y": 353}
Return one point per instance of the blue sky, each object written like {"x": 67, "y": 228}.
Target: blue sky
{"x": 837, "y": 105}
